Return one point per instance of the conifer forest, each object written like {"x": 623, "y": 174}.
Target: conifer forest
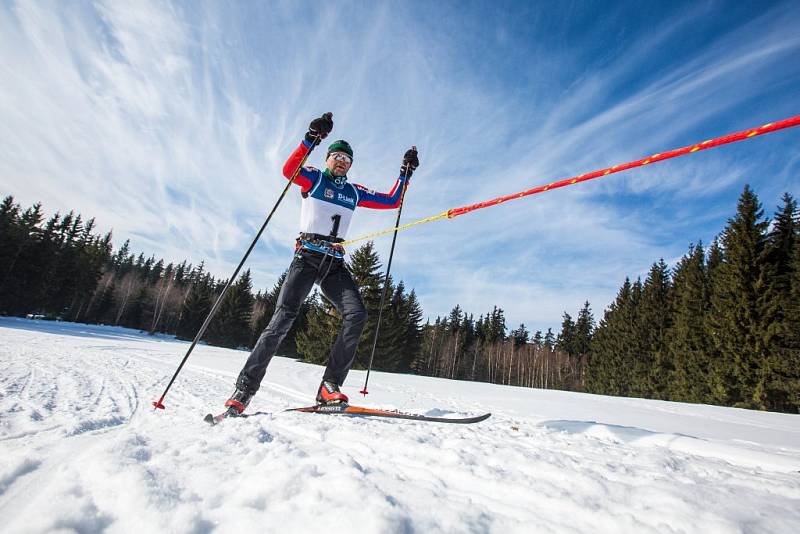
{"x": 722, "y": 326}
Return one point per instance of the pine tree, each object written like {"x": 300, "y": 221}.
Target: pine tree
{"x": 549, "y": 340}
{"x": 197, "y": 304}
{"x": 613, "y": 367}
{"x": 520, "y": 336}
{"x": 269, "y": 301}
{"x": 566, "y": 338}
{"x": 180, "y": 273}
{"x": 154, "y": 276}
{"x": 162, "y": 294}
{"x": 418, "y": 365}
{"x": 412, "y": 338}
{"x": 788, "y": 368}
{"x": 315, "y": 341}
{"x": 122, "y": 256}
{"x": 538, "y": 340}
{"x": 468, "y": 356}
{"x": 453, "y": 348}
{"x": 584, "y": 330}
{"x": 718, "y": 368}
{"x": 454, "y": 318}
{"x": 687, "y": 343}
{"x": 20, "y": 275}
{"x": 480, "y": 328}
{"x": 496, "y": 327}
{"x": 388, "y": 353}
{"x": 737, "y": 302}
{"x": 231, "y": 324}
{"x": 10, "y": 241}
{"x": 783, "y": 243}
{"x": 603, "y": 360}
{"x": 365, "y": 267}
{"x": 654, "y": 321}
{"x": 133, "y": 317}
{"x": 102, "y": 312}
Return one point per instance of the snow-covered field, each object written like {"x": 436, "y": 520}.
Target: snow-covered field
{"x": 81, "y": 449}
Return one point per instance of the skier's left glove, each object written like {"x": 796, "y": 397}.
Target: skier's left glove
{"x": 410, "y": 162}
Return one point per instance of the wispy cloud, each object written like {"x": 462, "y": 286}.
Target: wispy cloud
{"x": 171, "y": 122}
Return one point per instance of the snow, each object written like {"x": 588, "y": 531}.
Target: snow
{"x": 82, "y": 450}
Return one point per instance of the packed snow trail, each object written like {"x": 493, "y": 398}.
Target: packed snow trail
{"x": 81, "y": 449}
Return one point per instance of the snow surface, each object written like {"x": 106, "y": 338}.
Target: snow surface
{"x": 81, "y": 449}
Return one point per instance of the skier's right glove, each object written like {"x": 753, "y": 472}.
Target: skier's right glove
{"x": 319, "y": 128}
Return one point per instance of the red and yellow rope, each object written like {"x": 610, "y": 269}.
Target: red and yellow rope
{"x": 705, "y": 145}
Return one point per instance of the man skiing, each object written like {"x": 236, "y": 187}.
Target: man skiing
{"x": 329, "y": 201}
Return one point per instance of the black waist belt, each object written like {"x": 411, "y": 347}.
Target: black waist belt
{"x": 314, "y": 238}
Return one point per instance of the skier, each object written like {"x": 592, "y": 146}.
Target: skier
{"x": 327, "y": 206}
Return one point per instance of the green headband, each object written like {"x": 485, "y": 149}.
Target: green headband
{"x": 340, "y": 146}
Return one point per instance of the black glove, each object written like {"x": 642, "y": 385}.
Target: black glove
{"x": 320, "y": 128}
{"x": 410, "y": 162}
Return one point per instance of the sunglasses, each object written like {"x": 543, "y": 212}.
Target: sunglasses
{"x": 341, "y": 156}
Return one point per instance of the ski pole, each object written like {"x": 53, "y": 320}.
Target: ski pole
{"x": 386, "y": 282}
{"x": 159, "y": 402}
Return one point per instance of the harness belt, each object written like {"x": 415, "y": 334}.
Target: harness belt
{"x": 321, "y": 243}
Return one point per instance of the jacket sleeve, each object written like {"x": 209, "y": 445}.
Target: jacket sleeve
{"x": 307, "y": 175}
{"x": 368, "y": 198}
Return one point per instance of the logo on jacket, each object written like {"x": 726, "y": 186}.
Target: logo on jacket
{"x": 346, "y": 199}
{"x": 328, "y": 193}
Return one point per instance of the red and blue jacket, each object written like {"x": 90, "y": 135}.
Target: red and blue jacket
{"x": 327, "y": 207}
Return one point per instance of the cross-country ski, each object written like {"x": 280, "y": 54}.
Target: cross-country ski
{"x": 356, "y": 411}
{"x": 360, "y": 411}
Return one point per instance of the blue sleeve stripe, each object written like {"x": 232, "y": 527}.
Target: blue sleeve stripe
{"x": 315, "y": 177}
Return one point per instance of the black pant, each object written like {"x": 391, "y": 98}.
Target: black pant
{"x": 338, "y": 286}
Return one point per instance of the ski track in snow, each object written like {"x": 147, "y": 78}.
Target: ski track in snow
{"x": 82, "y": 450}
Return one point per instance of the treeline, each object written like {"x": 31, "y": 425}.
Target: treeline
{"x": 53, "y": 266}
{"x": 460, "y": 347}
{"x": 60, "y": 269}
{"x": 722, "y": 327}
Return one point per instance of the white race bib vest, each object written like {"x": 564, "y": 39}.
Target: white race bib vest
{"x": 327, "y": 208}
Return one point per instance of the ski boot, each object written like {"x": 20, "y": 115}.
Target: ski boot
{"x": 238, "y": 402}
{"x": 329, "y": 394}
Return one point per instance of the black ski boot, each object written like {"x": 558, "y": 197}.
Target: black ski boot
{"x": 238, "y": 402}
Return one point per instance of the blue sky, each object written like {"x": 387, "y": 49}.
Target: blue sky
{"x": 170, "y": 123}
